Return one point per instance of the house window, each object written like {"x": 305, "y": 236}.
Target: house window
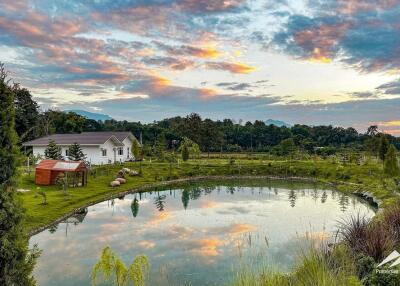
{"x": 104, "y": 152}
{"x": 127, "y": 152}
{"x": 67, "y": 153}
{"x": 120, "y": 151}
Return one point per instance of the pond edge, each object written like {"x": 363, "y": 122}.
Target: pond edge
{"x": 364, "y": 195}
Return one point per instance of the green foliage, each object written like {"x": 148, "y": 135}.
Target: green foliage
{"x": 75, "y": 153}
{"x": 26, "y": 114}
{"x": 159, "y": 148}
{"x": 8, "y": 137}
{"x": 315, "y": 267}
{"x": 185, "y": 198}
{"x": 115, "y": 272}
{"x": 16, "y": 261}
{"x": 185, "y": 153}
{"x": 287, "y": 147}
{"x": 136, "y": 149}
{"x": 383, "y": 147}
{"x": 189, "y": 147}
{"x": 365, "y": 266}
{"x": 135, "y": 207}
{"x": 44, "y": 196}
{"x": 53, "y": 151}
{"x": 391, "y": 164}
{"x": 62, "y": 182}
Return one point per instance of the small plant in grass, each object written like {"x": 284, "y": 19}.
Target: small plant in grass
{"x": 115, "y": 272}
{"x": 39, "y": 192}
{"x": 62, "y": 182}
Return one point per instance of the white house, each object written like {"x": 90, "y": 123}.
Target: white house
{"x": 98, "y": 147}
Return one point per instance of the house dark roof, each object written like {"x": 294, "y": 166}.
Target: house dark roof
{"x": 84, "y": 138}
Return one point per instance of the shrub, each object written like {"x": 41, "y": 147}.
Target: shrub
{"x": 364, "y": 265}
{"x": 391, "y": 219}
{"x": 371, "y": 239}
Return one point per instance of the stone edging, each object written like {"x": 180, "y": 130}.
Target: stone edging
{"x": 365, "y": 195}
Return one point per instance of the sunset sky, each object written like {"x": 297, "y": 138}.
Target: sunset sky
{"x": 311, "y": 62}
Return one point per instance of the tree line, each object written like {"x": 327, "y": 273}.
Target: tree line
{"x": 211, "y": 135}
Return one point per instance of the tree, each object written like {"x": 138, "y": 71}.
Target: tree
{"x": 383, "y": 147}
{"x": 75, "y": 153}
{"x": 136, "y": 149}
{"x": 53, "y": 151}
{"x": 185, "y": 153}
{"x": 192, "y": 148}
{"x": 115, "y": 271}
{"x": 287, "y": 146}
{"x": 16, "y": 261}
{"x": 26, "y": 113}
{"x": 159, "y": 147}
{"x": 391, "y": 165}
{"x": 372, "y": 144}
{"x": 372, "y": 130}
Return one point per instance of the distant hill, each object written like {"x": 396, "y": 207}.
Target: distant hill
{"x": 91, "y": 115}
{"x": 277, "y": 123}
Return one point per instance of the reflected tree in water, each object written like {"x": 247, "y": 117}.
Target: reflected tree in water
{"x": 292, "y": 198}
{"x": 185, "y": 198}
{"x": 314, "y": 194}
{"x": 343, "y": 202}
{"x": 159, "y": 202}
{"x": 324, "y": 197}
{"x": 135, "y": 207}
{"x": 231, "y": 190}
{"x": 208, "y": 190}
{"x": 53, "y": 228}
{"x": 195, "y": 193}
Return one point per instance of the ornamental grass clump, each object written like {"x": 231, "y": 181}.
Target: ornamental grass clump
{"x": 114, "y": 271}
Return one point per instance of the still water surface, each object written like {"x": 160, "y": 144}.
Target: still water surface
{"x": 196, "y": 234}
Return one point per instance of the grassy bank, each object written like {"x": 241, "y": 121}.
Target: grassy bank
{"x": 345, "y": 177}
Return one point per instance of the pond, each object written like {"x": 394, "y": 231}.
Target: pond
{"x": 196, "y": 234}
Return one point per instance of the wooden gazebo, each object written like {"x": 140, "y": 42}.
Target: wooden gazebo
{"x": 48, "y": 170}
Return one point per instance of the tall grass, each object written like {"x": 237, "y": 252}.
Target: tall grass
{"x": 318, "y": 267}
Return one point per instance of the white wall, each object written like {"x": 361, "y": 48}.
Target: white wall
{"x": 127, "y": 148}
{"x": 94, "y": 154}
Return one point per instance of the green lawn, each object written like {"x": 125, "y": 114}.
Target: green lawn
{"x": 347, "y": 178}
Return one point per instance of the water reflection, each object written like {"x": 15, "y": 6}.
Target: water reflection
{"x": 195, "y": 234}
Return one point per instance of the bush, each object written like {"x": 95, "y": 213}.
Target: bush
{"x": 364, "y": 265}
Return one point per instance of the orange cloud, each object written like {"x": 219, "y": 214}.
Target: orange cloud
{"x": 206, "y": 52}
{"x": 242, "y": 228}
{"x": 146, "y": 244}
{"x": 207, "y": 93}
{"x": 208, "y": 247}
{"x": 320, "y": 41}
{"x": 160, "y": 82}
{"x": 199, "y": 6}
{"x": 239, "y": 68}
{"x": 389, "y": 123}
{"x": 353, "y": 6}
{"x": 208, "y": 204}
{"x": 159, "y": 217}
